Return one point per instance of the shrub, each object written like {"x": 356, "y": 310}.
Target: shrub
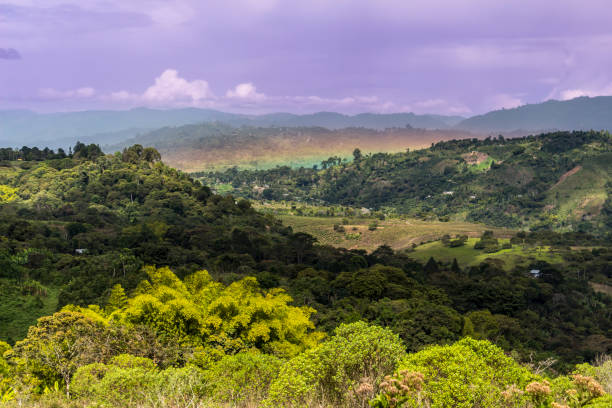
{"x": 242, "y": 378}
{"x": 136, "y": 381}
{"x": 466, "y": 374}
{"x": 345, "y": 370}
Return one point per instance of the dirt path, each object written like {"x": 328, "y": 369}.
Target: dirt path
{"x": 566, "y": 175}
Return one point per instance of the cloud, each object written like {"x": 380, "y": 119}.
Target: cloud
{"x": 505, "y": 101}
{"x": 589, "y": 91}
{"x": 245, "y": 91}
{"x": 79, "y": 93}
{"x": 9, "y": 54}
{"x": 170, "y": 90}
{"x": 169, "y": 87}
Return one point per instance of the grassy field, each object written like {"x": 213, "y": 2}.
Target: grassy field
{"x": 466, "y": 255}
{"x": 397, "y": 233}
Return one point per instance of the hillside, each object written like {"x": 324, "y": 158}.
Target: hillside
{"x": 557, "y": 180}
{"x": 214, "y": 146}
{"x": 143, "y": 279}
{"x": 582, "y": 113}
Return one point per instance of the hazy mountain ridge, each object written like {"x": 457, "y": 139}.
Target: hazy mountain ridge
{"x": 108, "y": 127}
{"x": 19, "y": 127}
{"x": 582, "y": 113}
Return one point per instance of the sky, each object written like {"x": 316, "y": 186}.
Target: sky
{"x": 455, "y": 57}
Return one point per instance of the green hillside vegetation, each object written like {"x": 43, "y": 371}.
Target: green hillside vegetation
{"x": 128, "y": 283}
{"x": 522, "y": 183}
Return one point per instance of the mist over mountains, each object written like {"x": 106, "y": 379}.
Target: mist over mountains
{"x": 23, "y": 127}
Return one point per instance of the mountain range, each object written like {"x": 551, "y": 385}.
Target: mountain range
{"x": 108, "y": 127}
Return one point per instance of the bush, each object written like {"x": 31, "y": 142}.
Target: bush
{"x": 345, "y": 370}
{"x": 136, "y": 381}
{"x": 242, "y": 378}
{"x": 467, "y": 374}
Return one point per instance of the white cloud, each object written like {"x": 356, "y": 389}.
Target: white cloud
{"x": 587, "y": 91}
{"x": 505, "y": 101}
{"x": 169, "y": 87}
{"x": 79, "y": 93}
{"x": 170, "y": 90}
{"x": 245, "y": 91}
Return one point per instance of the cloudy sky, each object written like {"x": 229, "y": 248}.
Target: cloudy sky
{"x": 441, "y": 56}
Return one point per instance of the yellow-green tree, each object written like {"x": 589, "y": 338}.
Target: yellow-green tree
{"x": 201, "y": 312}
{"x": 7, "y": 194}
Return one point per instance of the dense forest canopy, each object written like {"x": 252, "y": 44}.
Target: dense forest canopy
{"x": 128, "y": 283}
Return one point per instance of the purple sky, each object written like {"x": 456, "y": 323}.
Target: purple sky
{"x": 452, "y": 57}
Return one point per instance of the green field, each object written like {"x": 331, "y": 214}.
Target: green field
{"x": 466, "y": 255}
{"x": 395, "y": 232}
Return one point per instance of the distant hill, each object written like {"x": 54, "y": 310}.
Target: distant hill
{"x": 19, "y": 127}
{"x": 560, "y": 180}
{"x": 62, "y": 129}
{"x": 210, "y": 146}
{"x": 576, "y": 114}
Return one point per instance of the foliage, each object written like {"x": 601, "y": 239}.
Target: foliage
{"x": 356, "y": 355}
{"x": 475, "y": 373}
{"x": 7, "y": 194}
{"x": 133, "y": 381}
{"x": 202, "y": 312}
{"x": 242, "y": 379}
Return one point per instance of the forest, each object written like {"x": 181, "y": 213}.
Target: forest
{"x": 126, "y": 282}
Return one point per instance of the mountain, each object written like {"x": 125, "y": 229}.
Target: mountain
{"x": 582, "y": 113}
{"x": 62, "y": 129}
{"x": 19, "y": 127}
{"x": 108, "y": 127}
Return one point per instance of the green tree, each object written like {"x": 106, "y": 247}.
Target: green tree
{"x": 202, "y": 312}
{"x": 58, "y": 345}
{"x": 116, "y": 300}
